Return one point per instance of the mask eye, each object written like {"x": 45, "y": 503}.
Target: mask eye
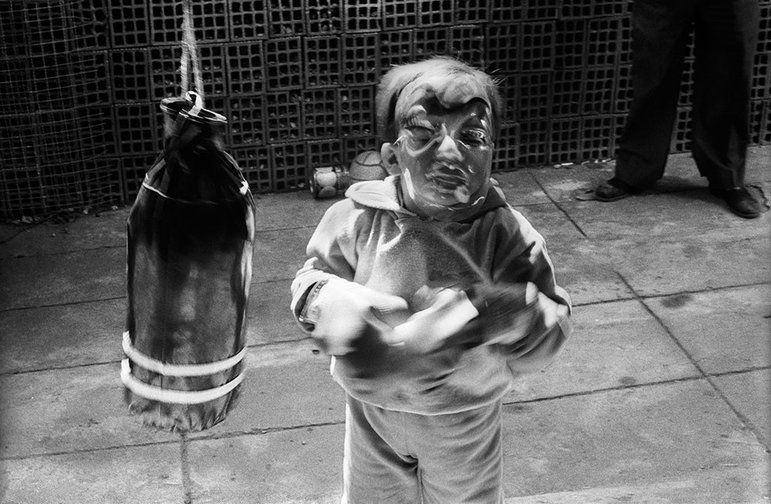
{"x": 474, "y": 137}
{"x": 421, "y": 135}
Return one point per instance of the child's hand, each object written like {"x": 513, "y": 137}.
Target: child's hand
{"x": 505, "y": 311}
{"x": 346, "y": 311}
{"x": 429, "y": 329}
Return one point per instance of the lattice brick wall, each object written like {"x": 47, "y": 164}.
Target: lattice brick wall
{"x": 296, "y": 78}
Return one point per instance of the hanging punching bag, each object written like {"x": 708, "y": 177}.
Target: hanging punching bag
{"x": 189, "y": 265}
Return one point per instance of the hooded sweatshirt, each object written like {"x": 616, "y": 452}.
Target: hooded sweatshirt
{"x": 493, "y": 254}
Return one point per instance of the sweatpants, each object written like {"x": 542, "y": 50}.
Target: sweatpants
{"x": 393, "y": 457}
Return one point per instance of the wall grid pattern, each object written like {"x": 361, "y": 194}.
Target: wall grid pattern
{"x": 296, "y": 80}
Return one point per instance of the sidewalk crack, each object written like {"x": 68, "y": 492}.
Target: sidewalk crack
{"x": 708, "y": 377}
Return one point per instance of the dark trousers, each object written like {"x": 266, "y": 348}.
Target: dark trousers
{"x": 726, "y": 34}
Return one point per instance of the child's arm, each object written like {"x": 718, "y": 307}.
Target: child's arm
{"x": 522, "y": 310}
{"x": 519, "y": 309}
{"x": 522, "y": 320}
{"x": 326, "y": 302}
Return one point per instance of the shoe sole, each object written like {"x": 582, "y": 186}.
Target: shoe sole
{"x": 610, "y": 199}
{"x": 744, "y": 215}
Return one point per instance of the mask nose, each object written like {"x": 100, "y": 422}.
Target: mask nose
{"x": 448, "y": 147}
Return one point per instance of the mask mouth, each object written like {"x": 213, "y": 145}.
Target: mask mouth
{"x": 447, "y": 178}
{"x": 451, "y": 182}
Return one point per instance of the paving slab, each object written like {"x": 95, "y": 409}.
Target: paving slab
{"x": 580, "y": 266}
{"x": 677, "y": 441}
{"x": 682, "y": 165}
{"x": 132, "y": 475}
{"x": 81, "y": 333}
{"x": 107, "y": 229}
{"x": 561, "y": 184}
{"x": 566, "y": 183}
{"x": 268, "y": 315}
{"x": 668, "y": 492}
{"x": 681, "y": 214}
{"x": 65, "y": 410}
{"x": 292, "y": 467}
{"x": 290, "y": 210}
{"x": 550, "y": 221}
{"x": 748, "y": 393}
{"x": 665, "y": 436}
{"x": 680, "y": 174}
{"x": 599, "y": 356}
{"x": 79, "y": 408}
{"x": 9, "y": 231}
{"x": 98, "y": 273}
{"x": 588, "y": 275}
{"x": 71, "y": 277}
{"x": 93, "y": 274}
{"x": 672, "y": 264}
{"x": 521, "y": 187}
{"x": 724, "y": 330}
{"x": 287, "y": 385}
{"x": 89, "y": 332}
{"x": 613, "y": 345}
{"x": 278, "y": 254}
{"x": 59, "y": 336}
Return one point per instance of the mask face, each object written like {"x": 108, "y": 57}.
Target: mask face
{"x": 445, "y": 154}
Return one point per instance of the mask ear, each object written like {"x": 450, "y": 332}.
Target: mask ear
{"x": 388, "y": 158}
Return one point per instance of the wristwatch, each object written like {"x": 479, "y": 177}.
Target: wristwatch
{"x": 310, "y": 311}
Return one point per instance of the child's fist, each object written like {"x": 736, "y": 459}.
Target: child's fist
{"x": 344, "y": 312}
{"x": 429, "y": 329}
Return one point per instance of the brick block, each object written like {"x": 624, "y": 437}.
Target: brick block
{"x": 130, "y": 24}
{"x": 283, "y": 63}
{"x": 248, "y": 20}
{"x": 323, "y": 16}
{"x": 319, "y": 111}
{"x": 322, "y": 61}
{"x": 245, "y": 68}
{"x": 290, "y": 171}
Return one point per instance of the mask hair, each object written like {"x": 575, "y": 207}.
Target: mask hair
{"x": 400, "y": 76}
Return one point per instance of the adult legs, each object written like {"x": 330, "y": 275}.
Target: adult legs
{"x": 726, "y": 39}
{"x": 659, "y": 41}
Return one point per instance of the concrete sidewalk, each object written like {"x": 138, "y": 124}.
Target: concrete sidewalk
{"x": 662, "y": 396}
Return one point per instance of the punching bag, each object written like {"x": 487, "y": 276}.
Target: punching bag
{"x": 189, "y": 265}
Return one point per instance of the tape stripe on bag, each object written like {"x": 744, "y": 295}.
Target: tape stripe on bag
{"x": 154, "y": 393}
{"x": 162, "y": 368}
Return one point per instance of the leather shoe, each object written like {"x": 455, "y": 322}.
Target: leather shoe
{"x": 608, "y": 192}
{"x": 739, "y": 201}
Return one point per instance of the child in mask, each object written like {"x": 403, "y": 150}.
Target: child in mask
{"x": 431, "y": 294}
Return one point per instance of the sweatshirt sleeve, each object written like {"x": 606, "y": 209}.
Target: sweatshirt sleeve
{"x": 330, "y": 254}
{"x": 522, "y": 310}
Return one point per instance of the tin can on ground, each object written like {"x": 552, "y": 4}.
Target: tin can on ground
{"x": 329, "y": 181}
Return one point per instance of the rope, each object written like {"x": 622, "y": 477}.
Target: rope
{"x": 154, "y": 393}
{"x": 190, "y": 55}
{"x": 162, "y": 368}
{"x": 160, "y": 394}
